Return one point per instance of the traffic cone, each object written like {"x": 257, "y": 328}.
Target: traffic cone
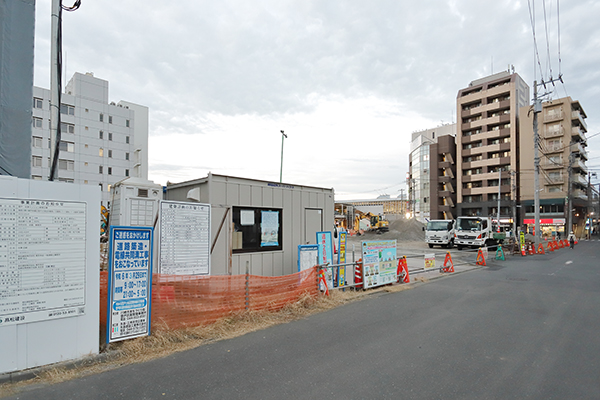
{"x": 560, "y": 244}
{"x": 402, "y": 270}
{"x": 549, "y": 246}
{"x": 480, "y": 258}
{"x": 323, "y": 282}
{"x": 523, "y": 252}
{"x": 540, "y": 249}
{"x": 447, "y": 260}
{"x": 531, "y": 249}
{"x": 500, "y": 253}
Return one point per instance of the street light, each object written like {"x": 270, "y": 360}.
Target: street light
{"x": 283, "y": 136}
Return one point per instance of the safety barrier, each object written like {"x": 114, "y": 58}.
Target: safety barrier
{"x": 190, "y": 300}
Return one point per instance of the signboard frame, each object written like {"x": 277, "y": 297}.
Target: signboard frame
{"x": 304, "y": 253}
{"x": 187, "y": 264}
{"x": 379, "y": 263}
{"x": 325, "y": 243}
{"x": 136, "y": 279}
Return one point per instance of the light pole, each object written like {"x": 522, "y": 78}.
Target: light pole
{"x": 283, "y": 137}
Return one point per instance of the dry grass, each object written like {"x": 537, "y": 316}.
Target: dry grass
{"x": 164, "y": 341}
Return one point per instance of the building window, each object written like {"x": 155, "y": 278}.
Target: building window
{"x": 257, "y": 229}
{"x": 37, "y": 122}
{"x": 66, "y": 165}
{"x": 127, "y": 123}
{"x": 67, "y": 180}
{"x": 110, "y": 119}
{"x": 101, "y": 152}
{"x": 101, "y": 135}
{"x": 109, "y": 135}
{"x": 108, "y": 188}
{"x": 100, "y": 169}
{"x": 67, "y": 146}
{"x": 127, "y": 156}
{"x": 37, "y": 142}
{"x": 38, "y": 103}
{"x": 127, "y": 139}
{"x": 101, "y": 116}
{"x": 36, "y": 177}
{"x": 126, "y": 172}
{"x": 67, "y": 128}
{"x": 67, "y": 109}
{"x": 100, "y": 186}
{"x": 110, "y": 170}
{"x": 36, "y": 161}
{"x": 110, "y": 154}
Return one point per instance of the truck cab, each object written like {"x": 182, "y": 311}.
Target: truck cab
{"x": 474, "y": 232}
{"x": 439, "y": 232}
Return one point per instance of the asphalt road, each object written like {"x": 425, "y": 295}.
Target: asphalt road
{"x": 527, "y": 328}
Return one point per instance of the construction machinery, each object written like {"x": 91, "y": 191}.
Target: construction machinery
{"x": 370, "y": 222}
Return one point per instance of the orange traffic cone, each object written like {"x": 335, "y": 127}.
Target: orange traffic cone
{"x": 480, "y": 258}
{"x": 447, "y": 260}
{"x": 402, "y": 271}
{"x": 540, "y": 249}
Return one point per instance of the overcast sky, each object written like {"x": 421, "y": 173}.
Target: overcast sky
{"x": 348, "y": 81}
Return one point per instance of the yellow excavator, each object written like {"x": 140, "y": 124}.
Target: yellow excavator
{"x": 376, "y": 223}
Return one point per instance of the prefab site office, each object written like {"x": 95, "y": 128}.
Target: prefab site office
{"x": 258, "y": 224}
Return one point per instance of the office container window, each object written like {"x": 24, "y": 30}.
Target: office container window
{"x": 257, "y": 229}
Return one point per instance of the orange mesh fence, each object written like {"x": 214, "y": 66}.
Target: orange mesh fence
{"x": 187, "y": 300}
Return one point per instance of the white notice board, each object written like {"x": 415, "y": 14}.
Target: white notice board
{"x": 42, "y": 260}
{"x": 184, "y": 242}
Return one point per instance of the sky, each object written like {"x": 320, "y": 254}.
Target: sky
{"x": 347, "y": 81}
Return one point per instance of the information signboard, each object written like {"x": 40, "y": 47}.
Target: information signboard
{"x": 308, "y": 255}
{"x": 341, "y": 278}
{"x": 129, "y": 283}
{"x": 379, "y": 263}
{"x": 42, "y": 260}
{"x": 184, "y": 247}
{"x": 326, "y": 255}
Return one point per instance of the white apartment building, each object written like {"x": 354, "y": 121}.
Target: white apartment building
{"x": 101, "y": 142}
{"x": 419, "y": 175}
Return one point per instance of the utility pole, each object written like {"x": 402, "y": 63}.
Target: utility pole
{"x": 537, "y": 108}
{"x": 499, "y": 193}
{"x": 569, "y": 196}
{"x": 283, "y": 136}
{"x": 55, "y": 88}
{"x": 514, "y": 202}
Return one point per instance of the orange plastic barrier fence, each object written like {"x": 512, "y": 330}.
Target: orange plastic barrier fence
{"x": 188, "y": 300}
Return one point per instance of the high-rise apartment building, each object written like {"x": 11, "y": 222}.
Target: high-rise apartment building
{"x": 442, "y": 155}
{"x": 101, "y": 142}
{"x": 563, "y": 173}
{"x": 419, "y": 182}
{"x": 487, "y": 144}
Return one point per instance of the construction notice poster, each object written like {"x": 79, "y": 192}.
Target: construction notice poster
{"x": 429, "y": 261}
{"x": 379, "y": 263}
{"x": 308, "y": 255}
{"x": 42, "y": 260}
{"x": 129, "y": 283}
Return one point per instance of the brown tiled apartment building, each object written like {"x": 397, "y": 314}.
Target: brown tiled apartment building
{"x": 487, "y": 144}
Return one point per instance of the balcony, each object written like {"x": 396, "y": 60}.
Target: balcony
{"x": 577, "y": 133}
{"x": 579, "y": 194}
{"x": 579, "y": 164}
{"x": 579, "y": 148}
{"x": 553, "y": 163}
{"x": 553, "y": 116}
{"x": 579, "y": 179}
{"x": 576, "y": 116}
{"x": 554, "y": 147}
{"x": 548, "y": 133}
{"x": 555, "y": 179}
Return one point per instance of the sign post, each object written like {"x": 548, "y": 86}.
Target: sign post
{"x": 129, "y": 283}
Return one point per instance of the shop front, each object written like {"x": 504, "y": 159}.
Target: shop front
{"x": 550, "y": 227}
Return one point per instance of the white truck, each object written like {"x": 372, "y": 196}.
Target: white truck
{"x": 440, "y": 232}
{"x": 474, "y": 232}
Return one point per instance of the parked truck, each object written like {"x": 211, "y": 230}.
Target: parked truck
{"x": 439, "y": 232}
{"x": 474, "y": 232}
